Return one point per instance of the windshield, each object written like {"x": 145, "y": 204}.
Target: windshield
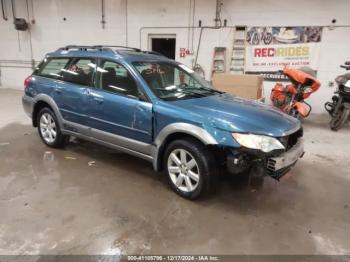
{"x": 170, "y": 81}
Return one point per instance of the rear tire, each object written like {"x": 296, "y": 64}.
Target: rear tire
{"x": 339, "y": 119}
{"x": 190, "y": 168}
{"x": 49, "y": 129}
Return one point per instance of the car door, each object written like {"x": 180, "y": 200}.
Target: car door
{"x": 71, "y": 93}
{"x": 118, "y": 110}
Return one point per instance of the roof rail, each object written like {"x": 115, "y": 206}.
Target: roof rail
{"x": 112, "y": 48}
{"x": 81, "y": 47}
{"x": 153, "y": 53}
{"x": 117, "y": 46}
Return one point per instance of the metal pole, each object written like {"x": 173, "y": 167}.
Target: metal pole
{"x": 3, "y": 8}
{"x": 103, "y": 21}
{"x": 126, "y": 22}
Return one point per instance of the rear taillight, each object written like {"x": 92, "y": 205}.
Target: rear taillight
{"x": 27, "y": 82}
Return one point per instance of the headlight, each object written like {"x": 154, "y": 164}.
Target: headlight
{"x": 263, "y": 143}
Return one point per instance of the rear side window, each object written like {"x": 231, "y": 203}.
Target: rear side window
{"x": 52, "y": 67}
{"x": 115, "y": 78}
{"x": 80, "y": 71}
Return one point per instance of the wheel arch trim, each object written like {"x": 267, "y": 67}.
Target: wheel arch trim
{"x": 186, "y": 128}
{"x": 190, "y": 129}
{"x": 49, "y": 100}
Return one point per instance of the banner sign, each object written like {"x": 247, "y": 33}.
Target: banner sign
{"x": 269, "y": 49}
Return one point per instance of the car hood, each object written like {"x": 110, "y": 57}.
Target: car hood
{"x": 235, "y": 114}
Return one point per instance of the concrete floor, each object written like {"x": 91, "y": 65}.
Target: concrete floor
{"x": 54, "y": 202}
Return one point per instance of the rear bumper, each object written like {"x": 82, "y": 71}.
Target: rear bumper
{"x": 28, "y": 105}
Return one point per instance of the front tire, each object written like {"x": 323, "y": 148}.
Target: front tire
{"x": 340, "y": 118}
{"x": 190, "y": 168}
{"x": 49, "y": 129}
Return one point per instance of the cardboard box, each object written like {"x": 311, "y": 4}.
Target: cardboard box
{"x": 247, "y": 86}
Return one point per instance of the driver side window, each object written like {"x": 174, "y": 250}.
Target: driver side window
{"x": 115, "y": 78}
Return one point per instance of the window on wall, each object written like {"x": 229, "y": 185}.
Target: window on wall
{"x": 52, "y": 67}
{"x": 80, "y": 71}
{"x": 115, "y": 78}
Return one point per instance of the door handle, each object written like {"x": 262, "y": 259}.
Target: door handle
{"x": 98, "y": 100}
{"x": 87, "y": 92}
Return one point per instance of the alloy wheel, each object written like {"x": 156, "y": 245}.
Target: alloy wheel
{"x": 183, "y": 170}
{"x": 48, "y": 128}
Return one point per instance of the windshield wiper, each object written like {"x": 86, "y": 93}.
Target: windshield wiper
{"x": 191, "y": 92}
{"x": 211, "y": 90}
{"x": 208, "y": 89}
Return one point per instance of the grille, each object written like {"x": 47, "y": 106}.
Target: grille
{"x": 271, "y": 165}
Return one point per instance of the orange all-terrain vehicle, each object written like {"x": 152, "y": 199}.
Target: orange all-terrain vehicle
{"x": 291, "y": 98}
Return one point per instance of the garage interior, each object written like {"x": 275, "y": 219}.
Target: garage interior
{"x": 89, "y": 200}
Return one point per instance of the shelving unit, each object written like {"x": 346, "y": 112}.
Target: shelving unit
{"x": 219, "y": 60}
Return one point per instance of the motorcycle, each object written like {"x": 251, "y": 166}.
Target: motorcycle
{"x": 339, "y": 107}
{"x": 291, "y": 98}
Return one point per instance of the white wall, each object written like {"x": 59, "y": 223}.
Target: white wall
{"x": 82, "y": 26}
{"x": 335, "y": 47}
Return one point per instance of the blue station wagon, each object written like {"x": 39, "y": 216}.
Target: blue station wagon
{"x": 147, "y": 105}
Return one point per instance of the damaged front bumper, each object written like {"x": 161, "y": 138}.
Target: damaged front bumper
{"x": 275, "y": 166}
{"x": 280, "y": 165}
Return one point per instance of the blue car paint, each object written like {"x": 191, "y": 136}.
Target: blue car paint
{"x": 170, "y": 112}
{"x": 120, "y": 115}
{"x": 234, "y": 114}
{"x": 72, "y": 101}
{"x": 220, "y": 115}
